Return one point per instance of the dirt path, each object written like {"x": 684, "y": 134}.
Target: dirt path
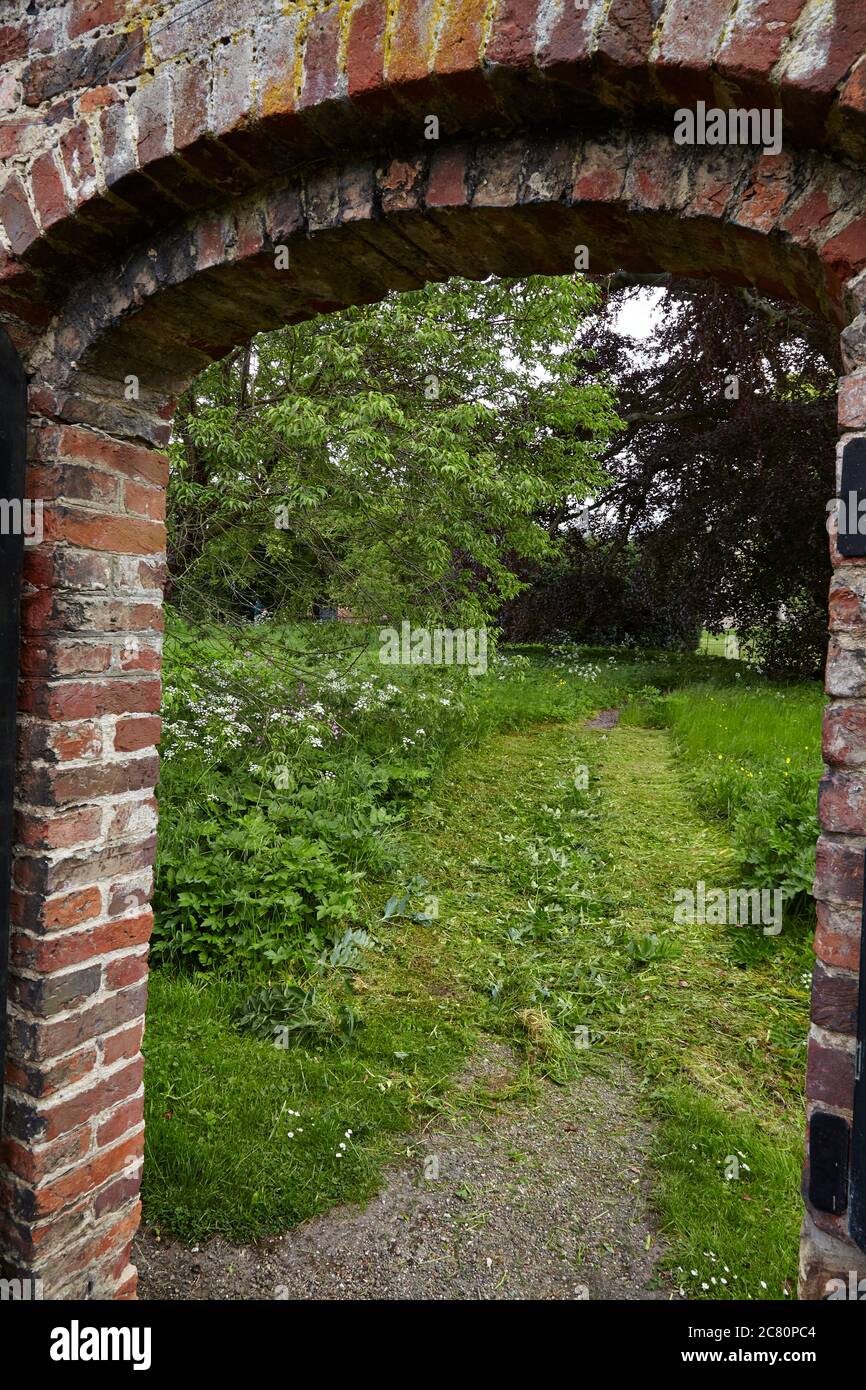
{"x": 506, "y": 1194}
{"x": 542, "y": 1199}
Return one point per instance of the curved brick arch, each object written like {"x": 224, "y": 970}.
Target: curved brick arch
{"x": 128, "y": 111}
{"x": 353, "y": 231}
{"x": 138, "y": 220}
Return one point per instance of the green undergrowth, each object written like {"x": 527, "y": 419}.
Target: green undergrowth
{"x": 515, "y": 900}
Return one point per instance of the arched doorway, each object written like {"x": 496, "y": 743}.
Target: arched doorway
{"x": 218, "y": 170}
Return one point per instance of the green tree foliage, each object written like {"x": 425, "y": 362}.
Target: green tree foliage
{"x": 394, "y": 459}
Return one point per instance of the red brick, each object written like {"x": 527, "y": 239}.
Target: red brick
{"x": 190, "y": 106}
{"x": 16, "y": 215}
{"x": 624, "y": 39}
{"x": 755, "y": 36}
{"x": 64, "y": 658}
{"x": 512, "y": 35}
{"x": 568, "y": 42}
{"x": 46, "y": 1080}
{"x": 126, "y": 1043}
{"x": 830, "y": 1075}
{"x": 99, "y": 531}
{"x": 412, "y": 41}
{"x": 834, "y": 1000}
{"x": 61, "y": 950}
{"x": 51, "y": 994}
{"x": 365, "y": 47}
{"x": 58, "y": 831}
{"x": 49, "y": 193}
{"x": 130, "y": 735}
{"x": 127, "y": 897}
{"x": 13, "y": 42}
{"x": 72, "y": 909}
{"x": 852, "y": 401}
{"x": 321, "y": 58}
{"x": 88, "y": 699}
{"x": 72, "y": 483}
{"x": 37, "y": 1165}
{"x": 44, "y": 1039}
{"x": 127, "y": 971}
{"x": 446, "y": 185}
{"x": 138, "y": 656}
{"x": 844, "y": 734}
{"x": 151, "y": 107}
{"x": 145, "y": 501}
{"x": 54, "y": 1196}
{"x": 84, "y": 1105}
{"x": 845, "y": 254}
{"x": 79, "y": 161}
{"x": 125, "y": 1118}
{"x": 57, "y": 743}
{"x": 691, "y": 31}
{"x": 842, "y": 803}
{"x": 131, "y": 460}
{"x": 839, "y": 870}
{"x": 40, "y": 874}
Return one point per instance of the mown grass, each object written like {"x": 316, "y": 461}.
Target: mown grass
{"x": 219, "y": 1155}
{"x": 715, "y": 1020}
{"x": 554, "y": 917}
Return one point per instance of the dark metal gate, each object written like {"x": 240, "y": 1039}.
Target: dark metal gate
{"x": 13, "y": 426}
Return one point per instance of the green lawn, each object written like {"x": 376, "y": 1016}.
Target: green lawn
{"x": 545, "y": 910}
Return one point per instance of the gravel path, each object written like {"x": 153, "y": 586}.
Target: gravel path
{"x": 544, "y": 1199}
{"x": 605, "y": 719}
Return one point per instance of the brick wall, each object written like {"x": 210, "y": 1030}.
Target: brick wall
{"x": 154, "y": 157}
{"x": 85, "y": 834}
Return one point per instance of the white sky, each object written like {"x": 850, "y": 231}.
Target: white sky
{"x": 639, "y": 313}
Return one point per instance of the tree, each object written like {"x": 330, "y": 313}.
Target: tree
{"x": 720, "y": 480}
{"x": 394, "y": 458}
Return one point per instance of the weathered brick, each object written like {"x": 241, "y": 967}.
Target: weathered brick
{"x": 58, "y": 831}
{"x": 86, "y": 699}
{"x": 102, "y": 531}
{"x": 92, "y": 14}
{"x": 830, "y": 1074}
{"x": 16, "y": 215}
{"x": 837, "y": 938}
{"x": 834, "y": 1000}
{"x": 63, "y": 949}
{"x": 839, "y": 869}
{"x": 50, "y": 994}
{"x": 844, "y": 734}
{"x": 130, "y": 735}
{"x": 60, "y": 786}
{"x": 43, "y": 1039}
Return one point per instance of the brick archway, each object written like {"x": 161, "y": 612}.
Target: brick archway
{"x": 157, "y": 160}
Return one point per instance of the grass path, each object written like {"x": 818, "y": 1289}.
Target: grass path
{"x": 717, "y": 1029}
{"x": 654, "y": 842}
{"x": 545, "y": 903}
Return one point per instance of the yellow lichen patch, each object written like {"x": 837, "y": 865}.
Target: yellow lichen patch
{"x": 388, "y": 36}
{"x": 413, "y": 39}
{"x": 461, "y": 35}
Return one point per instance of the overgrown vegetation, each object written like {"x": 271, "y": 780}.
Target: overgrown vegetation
{"x": 499, "y": 899}
{"x": 367, "y": 867}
